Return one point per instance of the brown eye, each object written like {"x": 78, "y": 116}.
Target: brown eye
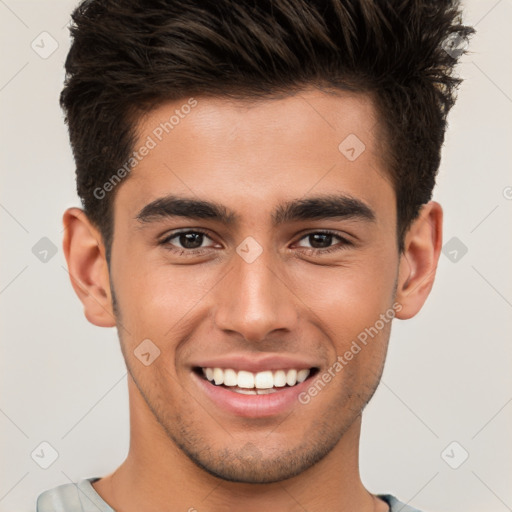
{"x": 321, "y": 242}
{"x": 185, "y": 241}
{"x": 190, "y": 240}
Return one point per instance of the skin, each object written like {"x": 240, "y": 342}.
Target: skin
{"x": 185, "y": 453}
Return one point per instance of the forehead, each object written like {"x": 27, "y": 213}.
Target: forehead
{"x": 259, "y": 152}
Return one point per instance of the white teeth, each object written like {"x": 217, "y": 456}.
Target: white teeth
{"x": 279, "y": 379}
{"x": 266, "y": 391}
{"x": 302, "y": 375}
{"x": 255, "y": 383}
{"x": 264, "y": 380}
{"x": 245, "y": 380}
{"x": 230, "y": 377}
{"x": 254, "y": 391}
{"x": 245, "y": 391}
{"x": 218, "y": 376}
{"x": 291, "y": 377}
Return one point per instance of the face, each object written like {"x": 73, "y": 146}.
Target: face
{"x": 293, "y": 258}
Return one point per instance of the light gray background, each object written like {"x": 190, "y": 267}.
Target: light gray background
{"x": 448, "y": 375}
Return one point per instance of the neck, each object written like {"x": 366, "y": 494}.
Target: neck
{"x": 157, "y": 475}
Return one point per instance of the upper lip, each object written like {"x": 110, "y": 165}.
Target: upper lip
{"x": 257, "y": 362}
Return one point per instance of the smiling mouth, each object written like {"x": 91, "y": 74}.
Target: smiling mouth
{"x": 259, "y": 383}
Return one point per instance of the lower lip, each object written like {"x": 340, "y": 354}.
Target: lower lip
{"x": 252, "y": 406}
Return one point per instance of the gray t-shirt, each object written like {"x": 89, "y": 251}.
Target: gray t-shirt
{"x": 82, "y": 497}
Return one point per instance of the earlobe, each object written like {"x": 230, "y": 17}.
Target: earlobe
{"x": 418, "y": 262}
{"x": 87, "y": 267}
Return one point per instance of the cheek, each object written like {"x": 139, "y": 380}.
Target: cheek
{"x": 155, "y": 298}
{"x": 353, "y": 306}
{"x": 348, "y": 298}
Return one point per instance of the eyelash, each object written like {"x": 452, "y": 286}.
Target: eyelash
{"x": 197, "y": 252}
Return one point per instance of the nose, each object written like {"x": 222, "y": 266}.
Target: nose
{"x": 255, "y": 300}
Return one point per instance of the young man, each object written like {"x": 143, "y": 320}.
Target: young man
{"x": 256, "y": 180}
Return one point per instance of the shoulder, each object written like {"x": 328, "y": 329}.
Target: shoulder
{"x": 396, "y": 505}
{"x": 63, "y": 498}
{"x": 72, "y": 497}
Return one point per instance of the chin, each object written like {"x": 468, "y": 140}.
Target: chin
{"x": 250, "y": 465}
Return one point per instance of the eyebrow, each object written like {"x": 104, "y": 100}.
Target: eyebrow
{"x": 313, "y": 208}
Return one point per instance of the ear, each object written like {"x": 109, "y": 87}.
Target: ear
{"x": 87, "y": 267}
{"x": 418, "y": 262}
